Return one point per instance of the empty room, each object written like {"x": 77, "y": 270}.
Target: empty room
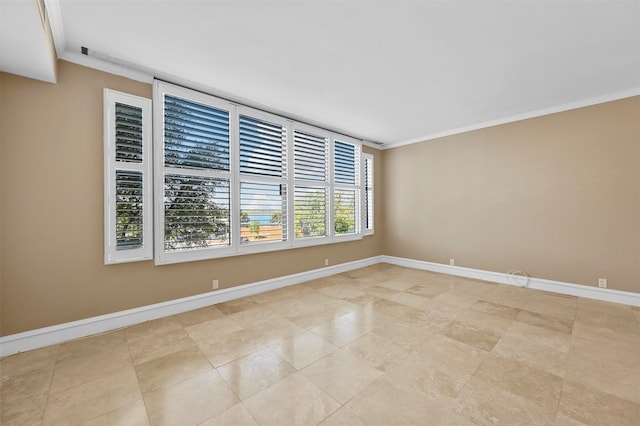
{"x": 319, "y": 212}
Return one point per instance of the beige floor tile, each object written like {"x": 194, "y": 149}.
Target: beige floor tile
{"x": 92, "y": 366}
{"x": 201, "y": 333}
{"x": 606, "y": 335}
{"x": 377, "y": 351}
{"x": 156, "y": 339}
{"x": 442, "y": 308}
{"x": 252, "y": 373}
{"x": 339, "y": 332}
{"x": 531, "y": 383}
{"x": 456, "y": 299}
{"x": 546, "y": 321}
{"x": 559, "y": 306}
{"x": 302, "y": 349}
{"x": 594, "y": 407}
{"x": 287, "y": 307}
{"x": 198, "y": 316}
{"x": 238, "y": 415}
{"x": 544, "y": 336}
{"x": 294, "y": 401}
{"x": 605, "y": 376}
{"x": 470, "y": 287}
{"x": 564, "y": 420}
{"x": 386, "y": 402}
{"x": 133, "y": 414}
{"x": 429, "y": 290}
{"x": 625, "y": 354}
{"x": 338, "y": 307}
{"x": 407, "y": 336}
{"x": 481, "y": 338}
{"x": 343, "y": 417}
{"x": 168, "y": 370}
{"x": 313, "y": 318}
{"x": 101, "y": 343}
{"x": 92, "y": 399}
{"x": 190, "y": 402}
{"x": 340, "y": 291}
{"x": 31, "y": 384}
{"x": 495, "y": 309}
{"x": 341, "y": 374}
{"x": 506, "y": 295}
{"x": 25, "y": 362}
{"x": 485, "y": 404}
{"x": 397, "y": 285}
{"x": 379, "y": 291}
{"x": 366, "y": 318}
{"x": 409, "y": 299}
{"x": 364, "y": 301}
{"x": 428, "y": 377}
{"x": 224, "y": 349}
{"x": 483, "y": 320}
{"x": 25, "y": 411}
{"x": 253, "y": 316}
{"x": 532, "y": 353}
{"x": 235, "y": 306}
{"x": 455, "y": 355}
{"x": 636, "y": 314}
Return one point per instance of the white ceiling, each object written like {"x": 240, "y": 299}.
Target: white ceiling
{"x": 384, "y": 71}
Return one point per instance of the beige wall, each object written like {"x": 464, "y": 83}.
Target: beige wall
{"x": 51, "y": 214}
{"x": 556, "y": 196}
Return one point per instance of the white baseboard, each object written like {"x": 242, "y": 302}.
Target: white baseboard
{"x": 55, "y": 334}
{"x": 604, "y": 294}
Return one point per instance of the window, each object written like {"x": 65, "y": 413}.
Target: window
{"x": 346, "y": 192}
{"x": 231, "y": 180}
{"x": 127, "y": 181}
{"x": 263, "y": 180}
{"x": 367, "y": 226}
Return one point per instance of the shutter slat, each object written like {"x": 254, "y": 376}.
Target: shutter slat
{"x": 196, "y": 136}
{"x": 129, "y": 210}
{"x": 310, "y": 156}
{"x": 262, "y": 147}
{"x": 196, "y": 212}
{"x": 310, "y": 208}
{"x": 128, "y": 133}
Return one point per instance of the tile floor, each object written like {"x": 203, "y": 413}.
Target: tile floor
{"x": 382, "y": 345}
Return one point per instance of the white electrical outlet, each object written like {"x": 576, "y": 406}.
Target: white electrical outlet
{"x": 452, "y": 262}
{"x": 215, "y": 284}
{"x": 326, "y": 262}
{"x": 602, "y": 282}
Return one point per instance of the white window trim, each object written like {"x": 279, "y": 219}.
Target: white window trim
{"x": 111, "y": 166}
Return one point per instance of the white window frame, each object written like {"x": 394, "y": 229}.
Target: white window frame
{"x": 366, "y": 157}
{"x": 111, "y": 166}
{"x": 235, "y": 177}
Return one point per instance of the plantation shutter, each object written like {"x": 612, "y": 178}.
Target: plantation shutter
{"x": 196, "y": 189}
{"x": 127, "y": 178}
{"x": 263, "y": 185}
{"x": 196, "y": 136}
{"x": 311, "y": 191}
{"x": 368, "y": 193}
